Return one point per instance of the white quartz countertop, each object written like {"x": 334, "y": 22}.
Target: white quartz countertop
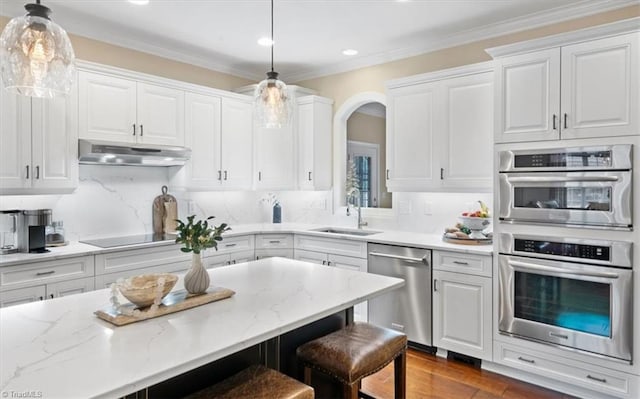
{"x": 402, "y": 238}
{"x": 60, "y": 349}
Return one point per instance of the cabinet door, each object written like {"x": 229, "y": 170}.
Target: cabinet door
{"x": 528, "y": 97}
{"x": 462, "y": 313}
{"x": 314, "y": 143}
{"x": 24, "y": 295}
{"x": 236, "y": 155}
{"x": 467, "y": 156}
{"x": 275, "y": 163}
{"x": 210, "y": 262}
{"x": 600, "y": 87}
{"x": 305, "y": 146}
{"x": 15, "y": 140}
{"x": 55, "y": 142}
{"x": 70, "y": 287}
{"x": 160, "y": 115}
{"x": 310, "y": 256}
{"x": 107, "y": 108}
{"x": 202, "y": 121}
{"x": 272, "y": 252}
{"x": 411, "y": 151}
{"x": 360, "y": 312}
{"x": 241, "y": 257}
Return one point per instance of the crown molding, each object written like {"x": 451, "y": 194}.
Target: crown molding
{"x": 557, "y": 15}
{"x": 441, "y": 74}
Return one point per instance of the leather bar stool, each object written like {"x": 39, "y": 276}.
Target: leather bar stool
{"x": 354, "y": 352}
{"x": 258, "y": 382}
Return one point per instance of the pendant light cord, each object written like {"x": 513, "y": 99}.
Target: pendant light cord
{"x": 272, "y": 41}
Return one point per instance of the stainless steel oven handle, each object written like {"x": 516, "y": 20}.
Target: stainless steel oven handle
{"x": 532, "y": 266}
{"x": 556, "y": 179}
{"x": 400, "y": 257}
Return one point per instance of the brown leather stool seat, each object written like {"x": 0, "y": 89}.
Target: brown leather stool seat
{"x": 258, "y": 382}
{"x": 354, "y": 352}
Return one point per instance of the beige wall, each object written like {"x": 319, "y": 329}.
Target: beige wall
{"x": 341, "y": 87}
{"x": 108, "y": 54}
{"x": 372, "y": 129}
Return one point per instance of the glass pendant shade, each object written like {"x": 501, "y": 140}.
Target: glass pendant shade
{"x": 272, "y": 103}
{"x": 36, "y": 57}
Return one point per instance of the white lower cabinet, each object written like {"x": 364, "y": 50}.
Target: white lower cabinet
{"x": 331, "y": 252}
{"x": 226, "y": 259}
{"x": 462, "y": 304}
{"x": 46, "y": 291}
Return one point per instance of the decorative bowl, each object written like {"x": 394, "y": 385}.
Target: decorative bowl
{"x": 476, "y": 225}
{"x": 142, "y": 290}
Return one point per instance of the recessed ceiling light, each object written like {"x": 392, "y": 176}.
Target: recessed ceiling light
{"x": 349, "y": 51}
{"x": 139, "y": 2}
{"x": 265, "y": 41}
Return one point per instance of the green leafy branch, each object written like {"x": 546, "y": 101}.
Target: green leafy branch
{"x": 200, "y": 235}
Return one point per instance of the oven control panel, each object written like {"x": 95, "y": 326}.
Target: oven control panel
{"x": 582, "y": 251}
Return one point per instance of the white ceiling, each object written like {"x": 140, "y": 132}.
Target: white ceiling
{"x": 309, "y": 34}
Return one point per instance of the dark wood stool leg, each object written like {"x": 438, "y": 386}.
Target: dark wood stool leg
{"x": 351, "y": 391}
{"x": 307, "y": 375}
{"x": 400, "y": 375}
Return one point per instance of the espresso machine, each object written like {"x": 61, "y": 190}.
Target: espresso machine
{"x": 31, "y": 230}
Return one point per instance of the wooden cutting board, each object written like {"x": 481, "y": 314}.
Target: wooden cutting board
{"x": 164, "y": 205}
{"x": 174, "y": 302}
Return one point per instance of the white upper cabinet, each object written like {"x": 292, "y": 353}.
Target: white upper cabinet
{"x": 38, "y": 144}
{"x": 600, "y": 87}
{"x": 411, "y": 153}
{"x": 439, "y": 131}
{"x": 583, "y": 90}
{"x": 468, "y": 123}
{"x": 314, "y": 143}
{"x": 236, "y": 156}
{"x": 528, "y": 100}
{"x": 202, "y": 125}
{"x": 275, "y": 158}
{"x": 127, "y": 111}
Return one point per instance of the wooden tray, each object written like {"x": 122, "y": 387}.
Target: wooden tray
{"x": 174, "y": 302}
{"x": 468, "y": 241}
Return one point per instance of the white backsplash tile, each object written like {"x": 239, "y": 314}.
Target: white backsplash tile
{"x": 116, "y": 200}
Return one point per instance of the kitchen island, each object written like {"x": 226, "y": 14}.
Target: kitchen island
{"x": 59, "y": 349}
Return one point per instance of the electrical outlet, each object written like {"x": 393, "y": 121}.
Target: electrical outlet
{"x": 428, "y": 205}
{"x": 191, "y": 207}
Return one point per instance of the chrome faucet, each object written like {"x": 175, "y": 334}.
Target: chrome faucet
{"x": 355, "y": 197}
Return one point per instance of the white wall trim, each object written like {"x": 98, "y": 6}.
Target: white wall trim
{"x": 463, "y": 70}
{"x": 340, "y": 146}
{"x": 601, "y": 31}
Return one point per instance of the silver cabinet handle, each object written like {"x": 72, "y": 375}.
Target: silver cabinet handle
{"x": 400, "y": 257}
{"x": 141, "y": 130}
{"x": 565, "y": 121}
{"x": 37, "y": 171}
{"x": 27, "y": 173}
{"x": 230, "y": 245}
{"x": 219, "y": 175}
{"x": 226, "y": 174}
{"x": 457, "y": 262}
{"x": 556, "y": 335}
{"x": 259, "y": 176}
{"x": 435, "y": 285}
{"x": 45, "y": 273}
{"x": 531, "y": 266}
{"x": 555, "y": 120}
{"x": 524, "y": 359}
{"x": 441, "y": 173}
{"x": 274, "y": 242}
{"x": 309, "y": 176}
{"x": 387, "y": 174}
{"x": 134, "y": 129}
{"x": 602, "y": 380}
{"x": 561, "y": 179}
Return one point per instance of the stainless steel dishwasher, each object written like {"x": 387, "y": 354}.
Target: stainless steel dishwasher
{"x": 407, "y": 309}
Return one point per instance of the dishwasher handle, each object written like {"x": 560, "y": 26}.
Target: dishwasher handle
{"x": 403, "y": 258}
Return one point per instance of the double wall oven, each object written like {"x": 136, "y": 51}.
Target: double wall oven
{"x": 558, "y": 288}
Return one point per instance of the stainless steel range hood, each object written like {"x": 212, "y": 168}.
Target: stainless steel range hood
{"x": 109, "y": 153}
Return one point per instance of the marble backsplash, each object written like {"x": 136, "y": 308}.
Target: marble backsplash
{"x": 116, "y": 200}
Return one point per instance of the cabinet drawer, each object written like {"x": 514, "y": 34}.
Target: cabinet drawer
{"x": 591, "y": 377}
{"x": 103, "y": 281}
{"x": 462, "y": 263}
{"x": 46, "y": 272}
{"x": 269, "y": 241}
{"x": 233, "y": 244}
{"x": 20, "y": 296}
{"x": 357, "y": 249}
{"x": 139, "y": 258}
{"x": 271, "y": 252}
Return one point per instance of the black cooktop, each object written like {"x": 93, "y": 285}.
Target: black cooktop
{"x": 111, "y": 242}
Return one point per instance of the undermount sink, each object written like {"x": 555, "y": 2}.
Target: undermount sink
{"x": 353, "y": 232}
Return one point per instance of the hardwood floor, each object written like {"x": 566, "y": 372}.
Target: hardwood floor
{"x": 431, "y": 377}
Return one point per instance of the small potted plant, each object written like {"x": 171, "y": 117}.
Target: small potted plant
{"x": 197, "y": 237}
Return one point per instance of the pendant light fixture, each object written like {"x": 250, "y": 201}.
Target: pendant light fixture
{"x": 272, "y": 103}
{"x": 36, "y": 57}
